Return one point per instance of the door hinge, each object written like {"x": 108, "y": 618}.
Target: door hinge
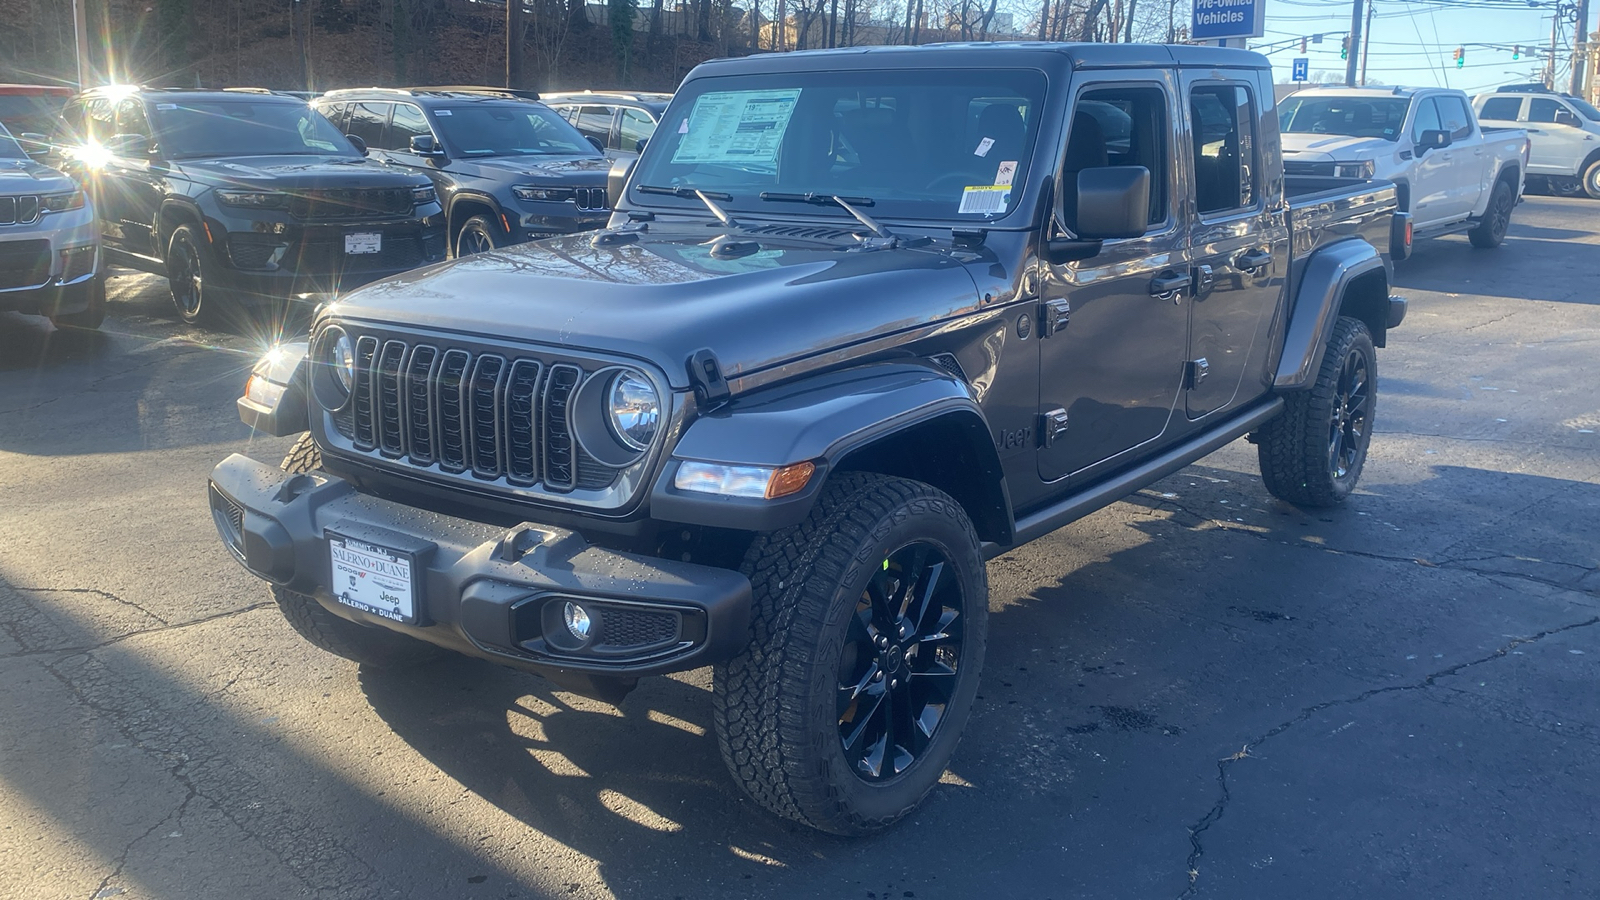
{"x": 1052, "y": 425}
{"x": 1197, "y": 370}
{"x": 1204, "y": 281}
{"x": 1053, "y": 316}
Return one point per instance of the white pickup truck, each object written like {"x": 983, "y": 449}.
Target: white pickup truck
{"x": 1453, "y": 175}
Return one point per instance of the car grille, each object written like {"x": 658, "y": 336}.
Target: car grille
{"x": 24, "y": 264}
{"x": 21, "y": 210}
{"x": 351, "y": 203}
{"x": 591, "y": 198}
{"x": 1324, "y": 170}
{"x": 493, "y": 416}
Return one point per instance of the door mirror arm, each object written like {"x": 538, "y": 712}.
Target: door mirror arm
{"x": 1059, "y": 250}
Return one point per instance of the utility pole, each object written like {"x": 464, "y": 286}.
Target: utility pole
{"x": 1366, "y": 43}
{"x": 514, "y": 34}
{"x": 1355, "y": 44}
{"x": 1555, "y": 31}
{"x": 80, "y": 27}
{"x": 1580, "y": 49}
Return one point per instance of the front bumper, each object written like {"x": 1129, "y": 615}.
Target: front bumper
{"x": 46, "y": 268}
{"x": 486, "y": 591}
{"x": 287, "y": 258}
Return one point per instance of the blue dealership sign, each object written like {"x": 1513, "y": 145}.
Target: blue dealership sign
{"x": 1302, "y": 69}
{"x": 1221, "y": 19}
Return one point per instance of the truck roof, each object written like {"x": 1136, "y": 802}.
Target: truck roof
{"x": 1387, "y": 91}
{"x": 983, "y": 54}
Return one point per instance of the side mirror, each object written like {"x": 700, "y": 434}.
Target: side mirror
{"x": 1113, "y": 202}
{"x": 1433, "y": 139}
{"x": 617, "y": 180}
{"x": 596, "y": 142}
{"x": 639, "y": 147}
{"x": 360, "y": 144}
{"x": 425, "y": 145}
{"x": 1566, "y": 118}
{"x": 128, "y": 145}
{"x": 34, "y": 144}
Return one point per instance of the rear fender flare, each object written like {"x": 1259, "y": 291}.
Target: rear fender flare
{"x": 837, "y": 421}
{"x": 1335, "y": 282}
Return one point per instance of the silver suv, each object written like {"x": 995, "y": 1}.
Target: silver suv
{"x": 49, "y": 242}
{"x": 1564, "y": 131}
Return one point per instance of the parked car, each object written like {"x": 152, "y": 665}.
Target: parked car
{"x": 1565, "y": 131}
{"x": 508, "y": 168}
{"x": 26, "y": 108}
{"x": 621, "y": 121}
{"x": 49, "y": 243}
{"x": 774, "y": 418}
{"x": 1452, "y": 174}
{"x": 240, "y": 195}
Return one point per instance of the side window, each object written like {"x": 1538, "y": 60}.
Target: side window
{"x": 1119, "y": 126}
{"x": 333, "y": 112}
{"x": 1427, "y": 119}
{"x": 131, "y": 119}
{"x": 570, "y": 113}
{"x": 408, "y": 122}
{"x": 1224, "y": 133}
{"x": 636, "y": 127}
{"x": 1501, "y": 109}
{"x": 98, "y": 123}
{"x": 1457, "y": 120}
{"x": 1542, "y": 110}
{"x": 367, "y": 122}
{"x": 595, "y": 122}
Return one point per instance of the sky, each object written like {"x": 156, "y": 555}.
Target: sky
{"x": 1413, "y": 42}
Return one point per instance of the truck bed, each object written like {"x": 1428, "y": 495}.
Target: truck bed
{"x": 1324, "y": 210}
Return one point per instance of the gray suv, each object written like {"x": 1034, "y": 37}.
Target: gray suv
{"x": 49, "y": 243}
{"x": 508, "y": 169}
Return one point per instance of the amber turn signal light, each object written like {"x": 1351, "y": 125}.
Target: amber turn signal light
{"x": 789, "y": 480}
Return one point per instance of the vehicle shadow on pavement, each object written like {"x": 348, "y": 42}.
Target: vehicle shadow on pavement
{"x": 1451, "y": 266}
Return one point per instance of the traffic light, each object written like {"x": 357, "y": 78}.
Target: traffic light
{"x": 1461, "y": 57}
{"x": 1344, "y": 48}
{"x": 1516, "y": 52}
{"x": 1302, "y": 46}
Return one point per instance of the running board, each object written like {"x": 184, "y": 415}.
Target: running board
{"x": 1069, "y": 509}
{"x": 1439, "y": 231}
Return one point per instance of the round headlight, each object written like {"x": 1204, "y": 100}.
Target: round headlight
{"x": 342, "y": 359}
{"x": 635, "y": 410}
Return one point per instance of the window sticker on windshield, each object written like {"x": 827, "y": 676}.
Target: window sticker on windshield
{"x": 1007, "y": 173}
{"x": 984, "y": 199}
{"x": 443, "y": 112}
{"x": 736, "y": 127}
{"x": 984, "y": 146}
{"x": 683, "y": 127}
{"x": 166, "y": 106}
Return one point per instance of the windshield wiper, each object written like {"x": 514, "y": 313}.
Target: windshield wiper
{"x": 709, "y": 198}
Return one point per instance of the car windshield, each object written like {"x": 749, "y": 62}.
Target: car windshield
{"x": 918, "y": 144}
{"x": 8, "y": 146}
{"x": 1585, "y": 107}
{"x": 509, "y": 129}
{"x": 191, "y": 129}
{"x": 1371, "y": 117}
{"x": 35, "y": 107}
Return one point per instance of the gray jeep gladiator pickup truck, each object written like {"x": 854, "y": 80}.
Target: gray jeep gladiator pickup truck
{"x": 861, "y": 320}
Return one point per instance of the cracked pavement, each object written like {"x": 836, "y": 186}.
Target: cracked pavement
{"x": 1199, "y": 692}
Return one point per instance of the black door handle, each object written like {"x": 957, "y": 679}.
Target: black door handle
{"x": 1253, "y": 259}
{"x": 1166, "y": 285}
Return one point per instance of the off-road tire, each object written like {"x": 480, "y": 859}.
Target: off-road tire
{"x": 92, "y": 316}
{"x": 369, "y": 645}
{"x": 1490, "y": 231}
{"x": 775, "y": 705}
{"x": 1294, "y": 448}
{"x": 189, "y": 257}
{"x": 480, "y": 230}
{"x": 1591, "y": 180}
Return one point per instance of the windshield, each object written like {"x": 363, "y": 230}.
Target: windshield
{"x": 509, "y": 129}
{"x": 1371, "y": 117}
{"x": 1583, "y": 106}
{"x": 190, "y": 129}
{"x": 8, "y": 147}
{"x": 913, "y": 144}
{"x": 34, "y": 107}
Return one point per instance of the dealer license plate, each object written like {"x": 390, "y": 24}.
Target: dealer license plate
{"x": 363, "y": 242}
{"x": 372, "y": 579}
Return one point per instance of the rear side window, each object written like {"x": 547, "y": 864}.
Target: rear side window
{"x": 1501, "y": 109}
{"x": 1096, "y": 139}
{"x": 1224, "y": 148}
{"x": 367, "y": 121}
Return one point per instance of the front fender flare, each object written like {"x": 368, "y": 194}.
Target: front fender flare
{"x": 1328, "y": 275}
{"x": 825, "y": 420}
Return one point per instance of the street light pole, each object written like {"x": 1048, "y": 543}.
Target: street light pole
{"x": 1355, "y": 44}
{"x": 80, "y": 29}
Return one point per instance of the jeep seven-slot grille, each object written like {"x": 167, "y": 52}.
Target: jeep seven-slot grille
{"x": 489, "y": 415}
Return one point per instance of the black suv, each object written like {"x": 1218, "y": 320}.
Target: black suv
{"x": 621, "y": 121}
{"x": 243, "y": 193}
{"x": 508, "y": 168}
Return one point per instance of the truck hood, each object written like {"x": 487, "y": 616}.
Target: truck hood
{"x": 1332, "y": 147}
{"x": 24, "y": 176}
{"x": 664, "y": 297}
{"x": 299, "y": 172}
{"x": 582, "y": 171}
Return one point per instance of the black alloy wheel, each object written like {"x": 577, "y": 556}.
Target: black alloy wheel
{"x": 900, "y": 662}
{"x": 1348, "y": 435}
{"x": 186, "y": 267}
{"x": 1491, "y": 229}
{"x": 480, "y": 234}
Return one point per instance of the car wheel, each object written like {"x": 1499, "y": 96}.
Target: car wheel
{"x": 91, "y": 316}
{"x": 480, "y": 234}
{"x": 368, "y": 645}
{"x": 1491, "y": 229}
{"x": 1312, "y": 455}
{"x": 189, "y": 261}
{"x": 867, "y": 636}
{"x": 1591, "y": 180}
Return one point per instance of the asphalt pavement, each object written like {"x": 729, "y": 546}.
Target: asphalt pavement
{"x": 1197, "y": 692}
